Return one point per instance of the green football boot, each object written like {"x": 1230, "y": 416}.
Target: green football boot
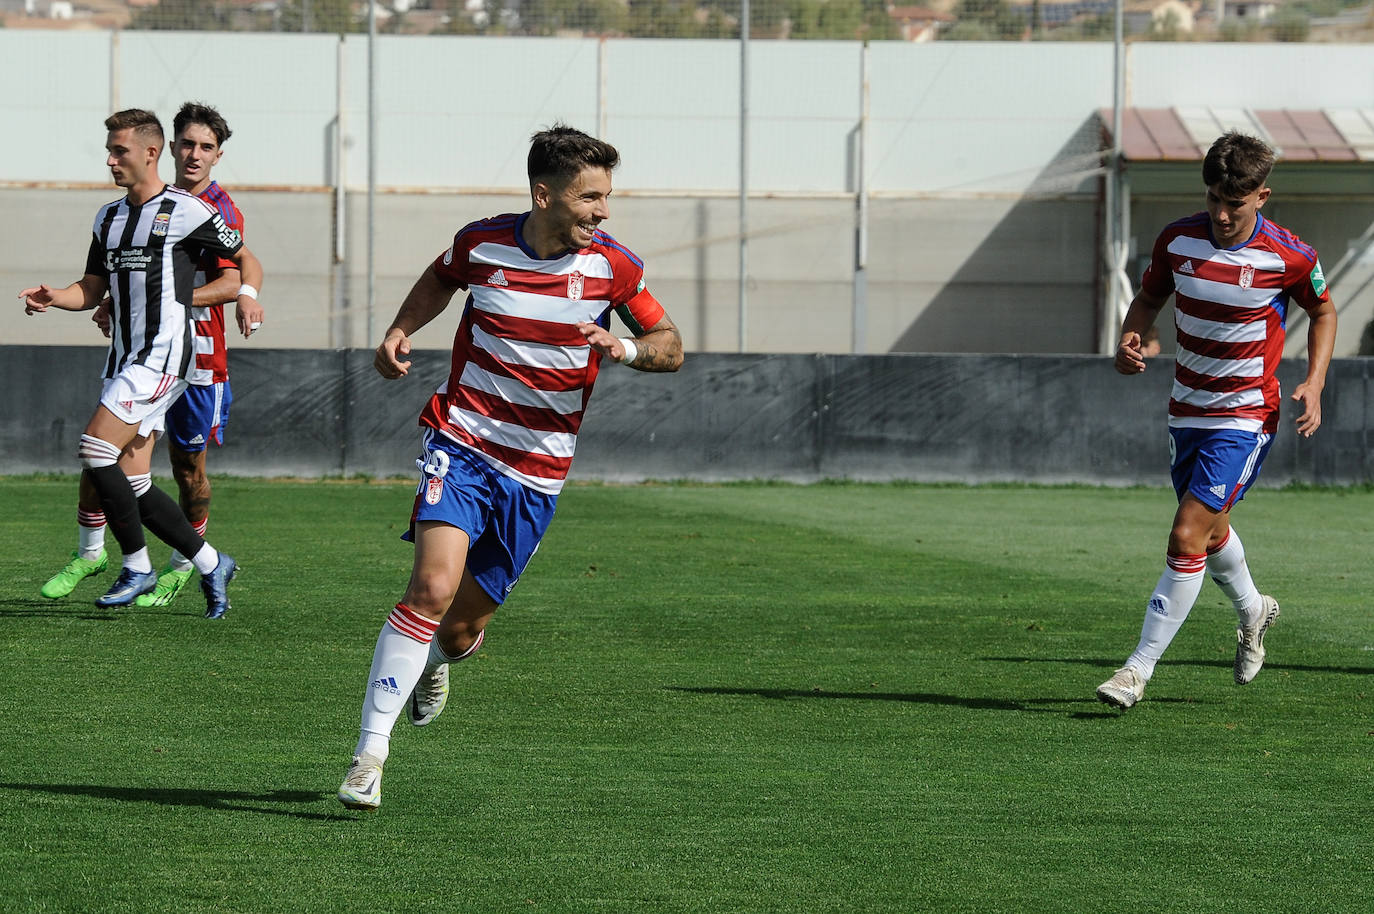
{"x": 170, "y": 581}
{"x": 76, "y": 571}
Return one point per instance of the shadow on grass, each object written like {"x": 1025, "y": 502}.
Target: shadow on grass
{"x": 227, "y": 800}
{"x": 1028, "y": 705}
{"x": 1218, "y": 664}
{"x": 84, "y": 610}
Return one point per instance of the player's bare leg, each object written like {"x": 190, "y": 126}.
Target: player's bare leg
{"x": 459, "y": 636}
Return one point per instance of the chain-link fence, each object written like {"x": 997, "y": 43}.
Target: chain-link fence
{"x": 1336, "y": 21}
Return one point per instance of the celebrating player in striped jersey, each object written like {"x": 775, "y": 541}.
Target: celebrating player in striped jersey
{"x": 201, "y": 413}
{"x": 500, "y": 432}
{"x": 1233, "y": 275}
{"x": 144, "y": 252}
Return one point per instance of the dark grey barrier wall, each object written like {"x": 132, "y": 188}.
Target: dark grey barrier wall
{"x": 966, "y": 418}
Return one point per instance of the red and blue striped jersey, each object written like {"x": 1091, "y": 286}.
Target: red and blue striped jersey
{"x": 212, "y": 358}
{"x": 1231, "y": 308}
{"x": 521, "y": 372}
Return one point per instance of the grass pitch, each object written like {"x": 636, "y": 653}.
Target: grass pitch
{"x": 736, "y": 698}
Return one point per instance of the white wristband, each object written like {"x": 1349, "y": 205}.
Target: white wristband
{"x": 248, "y": 290}
{"x": 631, "y": 350}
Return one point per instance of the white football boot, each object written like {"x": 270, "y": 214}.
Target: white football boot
{"x": 362, "y": 786}
{"x": 429, "y": 697}
{"x": 1123, "y": 690}
{"x": 1250, "y": 640}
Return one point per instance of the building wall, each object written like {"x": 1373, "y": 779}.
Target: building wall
{"x": 983, "y": 225}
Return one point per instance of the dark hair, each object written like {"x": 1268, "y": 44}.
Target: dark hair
{"x": 1239, "y": 163}
{"x": 201, "y": 113}
{"x": 143, "y": 123}
{"x": 561, "y": 152}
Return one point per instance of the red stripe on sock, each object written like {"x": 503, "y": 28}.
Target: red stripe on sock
{"x": 90, "y": 518}
{"x": 200, "y": 527}
{"x": 1187, "y": 564}
{"x": 1221, "y": 545}
{"x": 412, "y": 624}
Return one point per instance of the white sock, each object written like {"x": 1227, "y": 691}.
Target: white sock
{"x": 397, "y": 661}
{"x": 206, "y": 559}
{"x": 179, "y": 562}
{"x": 1169, "y": 606}
{"x": 1228, "y": 568}
{"x": 139, "y": 561}
{"x": 91, "y": 530}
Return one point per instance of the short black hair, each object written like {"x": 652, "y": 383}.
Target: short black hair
{"x": 201, "y": 113}
{"x": 561, "y": 152}
{"x": 1239, "y": 163}
{"x": 142, "y": 122}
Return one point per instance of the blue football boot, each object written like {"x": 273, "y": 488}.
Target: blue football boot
{"x": 127, "y": 586}
{"x": 216, "y": 586}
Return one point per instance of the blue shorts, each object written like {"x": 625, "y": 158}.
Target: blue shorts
{"x": 1216, "y": 466}
{"x": 199, "y": 417}
{"x": 503, "y": 519}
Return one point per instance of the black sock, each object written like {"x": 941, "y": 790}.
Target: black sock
{"x": 163, "y": 516}
{"x": 120, "y": 505}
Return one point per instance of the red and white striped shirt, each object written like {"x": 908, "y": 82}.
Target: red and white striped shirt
{"x": 212, "y": 358}
{"x": 522, "y": 372}
{"x": 1231, "y": 308}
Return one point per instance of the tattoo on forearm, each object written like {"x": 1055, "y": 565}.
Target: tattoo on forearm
{"x": 654, "y": 357}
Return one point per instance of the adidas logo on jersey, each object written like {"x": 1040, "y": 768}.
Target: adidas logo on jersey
{"x": 498, "y": 279}
{"x": 199, "y": 439}
{"x": 1187, "y": 267}
{"x": 1218, "y": 491}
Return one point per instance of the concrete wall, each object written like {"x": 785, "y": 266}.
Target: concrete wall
{"x": 945, "y": 275}
{"x": 723, "y": 417}
{"x": 983, "y": 227}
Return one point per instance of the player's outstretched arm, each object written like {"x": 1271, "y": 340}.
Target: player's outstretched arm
{"x": 1321, "y": 341}
{"x": 425, "y": 301}
{"x": 82, "y": 295}
{"x": 658, "y": 349}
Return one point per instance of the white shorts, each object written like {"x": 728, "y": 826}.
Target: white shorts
{"x": 140, "y": 396}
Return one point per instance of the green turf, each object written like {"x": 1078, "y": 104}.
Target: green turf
{"x": 701, "y": 698}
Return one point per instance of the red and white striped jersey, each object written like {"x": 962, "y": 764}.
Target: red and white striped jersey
{"x": 1231, "y": 308}
{"x": 212, "y": 358}
{"x": 522, "y": 373}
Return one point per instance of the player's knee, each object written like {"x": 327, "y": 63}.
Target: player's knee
{"x": 95, "y": 453}
{"x": 430, "y": 594}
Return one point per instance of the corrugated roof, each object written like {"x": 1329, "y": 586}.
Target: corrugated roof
{"x": 1301, "y": 135}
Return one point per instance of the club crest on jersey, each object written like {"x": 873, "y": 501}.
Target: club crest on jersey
{"x": 1247, "y": 276}
{"x": 575, "y": 286}
{"x": 434, "y": 490}
{"x": 161, "y": 224}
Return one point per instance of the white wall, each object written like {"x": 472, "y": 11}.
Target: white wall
{"x": 983, "y": 229}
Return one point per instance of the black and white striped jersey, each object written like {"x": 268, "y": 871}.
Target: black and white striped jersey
{"x": 149, "y": 254}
